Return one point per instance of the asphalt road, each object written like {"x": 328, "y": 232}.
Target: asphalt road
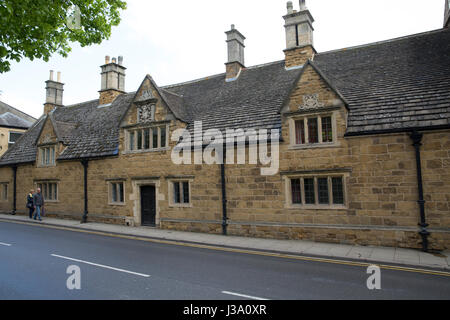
{"x": 34, "y": 262}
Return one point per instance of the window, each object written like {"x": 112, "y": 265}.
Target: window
{"x": 49, "y": 190}
{"x": 147, "y": 139}
{"x": 47, "y": 156}
{"x": 313, "y": 130}
{"x": 13, "y": 137}
{"x": 117, "y": 194}
{"x": 4, "y": 191}
{"x": 180, "y": 193}
{"x": 320, "y": 191}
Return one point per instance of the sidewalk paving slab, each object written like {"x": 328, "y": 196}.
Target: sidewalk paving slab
{"x": 401, "y": 256}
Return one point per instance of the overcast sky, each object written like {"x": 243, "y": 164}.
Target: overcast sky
{"x": 178, "y": 40}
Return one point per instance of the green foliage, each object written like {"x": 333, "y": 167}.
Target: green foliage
{"x": 38, "y": 28}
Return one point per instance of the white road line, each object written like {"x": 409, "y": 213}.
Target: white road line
{"x": 5, "y": 244}
{"x": 102, "y": 266}
{"x": 243, "y": 295}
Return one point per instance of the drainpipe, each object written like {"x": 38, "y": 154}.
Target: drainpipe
{"x": 85, "y": 164}
{"x": 416, "y": 137}
{"x": 14, "y": 190}
{"x": 224, "y": 195}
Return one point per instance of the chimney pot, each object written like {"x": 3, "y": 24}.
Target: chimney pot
{"x": 51, "y": 75}
{"x": 290, "y": 7}
{"x": 107, "y": 59}
{"x": 59, "y": 76}
{"x": 120, "y": 60}
{"x": 113, "y": 60}
{"x": 303, "y": 5}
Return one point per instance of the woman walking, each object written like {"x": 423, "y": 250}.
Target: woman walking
{"x": 30, "y": 204}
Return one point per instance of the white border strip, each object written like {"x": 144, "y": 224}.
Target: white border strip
{"x": 101, "y": 266}
{"x": 242, "y": 295}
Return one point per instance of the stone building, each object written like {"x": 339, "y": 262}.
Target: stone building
{"x": 13, "y": 124}
{"x": 364, "y": 153}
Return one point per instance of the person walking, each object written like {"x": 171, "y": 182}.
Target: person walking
{"x": 30, "y": 204}
{"x": 38, "y": 203}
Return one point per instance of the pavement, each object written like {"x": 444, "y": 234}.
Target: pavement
{"x": 386, "y": 255}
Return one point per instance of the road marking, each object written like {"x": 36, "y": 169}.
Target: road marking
{"x": 5, "y": 244}
{"x": 252, "y": 252}
{"x": 102, "y": 266}
{"x": 243, "y": 295}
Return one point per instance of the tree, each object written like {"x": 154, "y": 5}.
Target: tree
{"x": 36, "y": 29}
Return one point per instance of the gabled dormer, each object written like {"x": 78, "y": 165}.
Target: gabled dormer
{"x": 50, "y": 141}
{"x": 315, "y": 113}
{"x": 147, "y": 122}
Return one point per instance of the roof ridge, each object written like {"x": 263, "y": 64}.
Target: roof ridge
{"x": 382, "y": 42}
{"x": 218, "y": 75}
{"x": 9, "y": 106}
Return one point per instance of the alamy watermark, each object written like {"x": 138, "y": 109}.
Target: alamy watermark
{"x": 211, "y": 147}
{"x": 374, "y": 281}
{"x": 74, "y": 280}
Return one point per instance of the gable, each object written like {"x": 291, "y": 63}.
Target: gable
{"x": 312, "y": 92}
{"x": 47, "y": 134}
{"x": 148, "y": 106}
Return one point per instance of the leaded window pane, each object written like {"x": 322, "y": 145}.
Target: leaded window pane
{"x": 299, "y": 132}
{"x": 163, "y": 137}
{"x": 176, "y": 189}
{"x": 310, "y": 197}
{"x": 338, "y": 190}
{"x": 155, "y": 138}
{"x": 147, "y": 139}
{"x": 313, "y": 130}
{"x": 296, "y": 191}
{"x": 139, "y": 140}
{"x": 186, "y": 192}
{"x": 327, "y": 131}
{"x": 114, "y": 192}
{"x": 322, "y": 184}
{"x": 121, "y": 193}
{"x": 131, "y": 141}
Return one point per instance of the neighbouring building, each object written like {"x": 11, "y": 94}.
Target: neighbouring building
{"x": 364, "y": 154}
{"x": 13, "y": 124}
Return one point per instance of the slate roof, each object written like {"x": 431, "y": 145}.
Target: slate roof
{"x": 13, "y": 118}
{"x": 392, "y": 85}
{"x": 253, "y": 101}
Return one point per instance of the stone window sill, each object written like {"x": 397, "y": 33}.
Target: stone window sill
{"x": 314, "y": 146}
{"x": 317, "y": 207}
{"x": 120, "y": 204}
{"x": 180, "y": 205}
{"x": 146, "y": 151}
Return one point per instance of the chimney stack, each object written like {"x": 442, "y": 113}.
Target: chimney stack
{"x": 236, "y": 62}
{"x": 54, "y": 93}
{"x": 299, "y": 35}
{"x": 113, "y": 80}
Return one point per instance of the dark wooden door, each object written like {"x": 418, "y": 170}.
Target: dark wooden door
{"x": 148, "y": 206}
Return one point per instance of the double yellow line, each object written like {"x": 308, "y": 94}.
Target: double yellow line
{"x": 235, "y": 250}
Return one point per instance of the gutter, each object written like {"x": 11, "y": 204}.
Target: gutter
{"x": 14, "y": 190}
{"x": 85, "y": 164}
{"x": 224, "y": 195}
{"x": 416, "y": 137}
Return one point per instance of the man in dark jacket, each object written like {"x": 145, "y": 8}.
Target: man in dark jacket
{"x": 38, "y": 203}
